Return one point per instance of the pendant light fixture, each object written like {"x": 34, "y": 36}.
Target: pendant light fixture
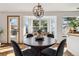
{"x": 38, "y": 11}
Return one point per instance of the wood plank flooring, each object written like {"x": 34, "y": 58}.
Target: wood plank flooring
{"x": 7, "y": 49}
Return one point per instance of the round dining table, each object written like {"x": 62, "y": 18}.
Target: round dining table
{"x": 39, "y": 45}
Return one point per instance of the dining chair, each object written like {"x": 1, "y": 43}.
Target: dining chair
{"x": 52, "y": 52}
{"x": 50, "y": 35}
{"x": 18, "y": 52}
{"x": 29, "y": 35}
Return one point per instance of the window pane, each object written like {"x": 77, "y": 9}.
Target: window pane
{"x": 70, "y": 24}
{"x": 44, "y": 29}
{"x": 43, "y": 22}
{"x": 35, "y": 29}
{"x": 35, "y": 22}
{"x": 26, "y": 25}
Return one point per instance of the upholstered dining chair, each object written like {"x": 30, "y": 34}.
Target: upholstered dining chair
{"x": 18, "y": 52}
{"x": 50, "y": 35}
{"x": 29, "y": 35}
{"x": 52, "y": 52}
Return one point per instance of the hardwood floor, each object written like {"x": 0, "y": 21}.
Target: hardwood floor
{"x": 7, "y": 49}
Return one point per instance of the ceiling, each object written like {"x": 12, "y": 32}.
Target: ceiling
{"x": 24, "y": 7}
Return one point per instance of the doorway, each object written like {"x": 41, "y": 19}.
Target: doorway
{"x": 13, "y": 28}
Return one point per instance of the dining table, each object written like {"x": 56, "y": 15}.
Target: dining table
{"x": 39, "y": 45}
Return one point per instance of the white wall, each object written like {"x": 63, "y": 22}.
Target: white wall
{"x": 73, "y": 45}
{"x": 3, "y": 21}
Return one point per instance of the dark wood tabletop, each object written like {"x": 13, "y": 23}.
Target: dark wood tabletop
{"x": 32, "y": 41}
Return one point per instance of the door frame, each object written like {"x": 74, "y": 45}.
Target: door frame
{"x": 8, "y": 28}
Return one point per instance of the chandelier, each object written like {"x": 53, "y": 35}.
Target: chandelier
{"x": 38, "y": 11}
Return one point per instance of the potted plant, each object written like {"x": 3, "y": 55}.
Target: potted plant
{"x": 73, "y": 23}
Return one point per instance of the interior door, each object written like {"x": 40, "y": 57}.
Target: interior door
{"x": 13, "y": 28}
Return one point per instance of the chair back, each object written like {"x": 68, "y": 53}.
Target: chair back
{"x": 29, "y": 35}
{"x": 60, "y": 49}
{"x": 16, "y": 48}
{"x": 50, "y": 35}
